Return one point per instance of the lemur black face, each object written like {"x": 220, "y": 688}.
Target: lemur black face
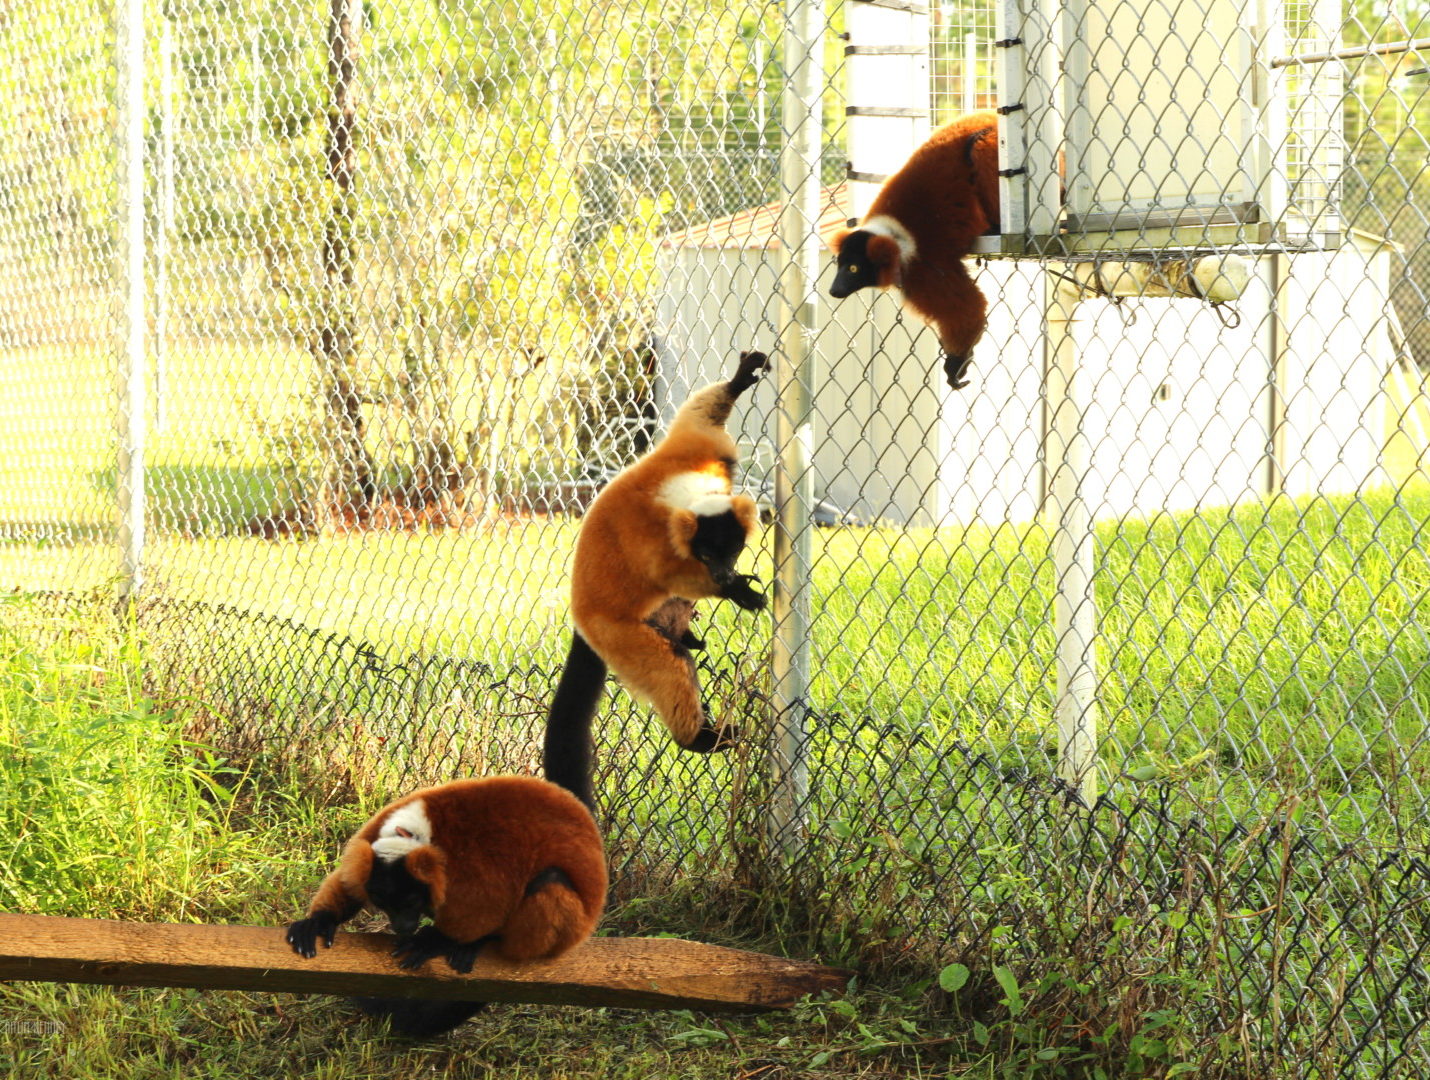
{"x": 855, "y": 270}
{"x": 718, "y": 541}
{"x": 399, "y": 895}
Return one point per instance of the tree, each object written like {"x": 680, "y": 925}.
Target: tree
{"x": 348, "y": 473}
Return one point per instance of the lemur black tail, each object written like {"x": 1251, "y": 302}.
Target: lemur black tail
{"x": 568, "y": 757}
{"x": 413, "y": 1018}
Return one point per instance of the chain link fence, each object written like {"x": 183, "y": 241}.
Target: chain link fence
{"x": 419, "y": 276}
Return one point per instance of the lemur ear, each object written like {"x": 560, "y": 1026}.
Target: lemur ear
{"x": 883, "y": 250}
{"x": 747, "y": 512}
{"x": 837, "y": 240}
{"x": 429, "y": 866}
{"x": 355, "y": 866}
{"x": 683, "y": 525}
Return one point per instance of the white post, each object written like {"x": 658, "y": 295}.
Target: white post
{"x": 1079, "y": 112}
{"x": 1321, "y": 125}
{"x": 1217, "y": 278}
{"x": 131, "y": 417}
{"x": 888, "y": 110}
{"x": 1265, "y": 127}
{"x": 1031, "y": 129}
{"x": 1074, "y": 605}
{"x": 794, "y": 421}
{"x": 165, "y": 224}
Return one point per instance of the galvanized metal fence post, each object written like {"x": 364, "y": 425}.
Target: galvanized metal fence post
{"x": 164, "y": 225}
{"x": 131, "y": 415}
{"x": 794, "y": 374}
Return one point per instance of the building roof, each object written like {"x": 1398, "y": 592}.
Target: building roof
{"x": 758, "y": 227}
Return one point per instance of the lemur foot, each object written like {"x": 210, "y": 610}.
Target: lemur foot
{"x": 711, "y": 740}
{"x": 462, "y": 955}
{"x": 427, "y": 944}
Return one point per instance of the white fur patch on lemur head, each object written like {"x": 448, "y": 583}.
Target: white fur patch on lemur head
{"x": 711, "y": 505}
{"x": 405, "y": 828}
{"x": 883, "y": 225}
{"x": 684, "y": 490}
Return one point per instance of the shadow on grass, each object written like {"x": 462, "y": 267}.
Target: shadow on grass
{"x": 204, "y": 500}
{"x": 42, "y": 534}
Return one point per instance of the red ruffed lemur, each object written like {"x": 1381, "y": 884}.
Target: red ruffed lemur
{"x": 510, "y": 863}
{"x": 925, "y": 219}
{"x": 664, "y": 533}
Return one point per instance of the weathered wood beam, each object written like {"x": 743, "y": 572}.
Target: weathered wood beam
{"x": 641, "y": 973}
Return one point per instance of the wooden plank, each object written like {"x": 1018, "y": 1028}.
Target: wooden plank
{"x": 644, "y": 973}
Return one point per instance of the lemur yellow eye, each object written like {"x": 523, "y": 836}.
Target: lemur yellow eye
{"x": 853, "y": 268}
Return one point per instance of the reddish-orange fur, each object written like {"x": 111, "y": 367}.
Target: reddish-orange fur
{"x": 946, "y": 196}
{"x": 490, "y": 838}
{"x": 633, "y": 555}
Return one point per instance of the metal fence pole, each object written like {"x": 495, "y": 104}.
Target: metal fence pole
{"x": 164, "y": 226}
{"x": 1032, "y": 125}
{"x": 794, "y": 373}
{"x": 132, "y": 396}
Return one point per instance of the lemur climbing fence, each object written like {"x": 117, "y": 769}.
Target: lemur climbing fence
{"x": 412, "y": 279}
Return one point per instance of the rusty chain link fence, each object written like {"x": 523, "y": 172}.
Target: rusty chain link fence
{"x": 1110, "y": 670}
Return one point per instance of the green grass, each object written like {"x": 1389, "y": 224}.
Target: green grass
{"x": 1407, "y": 428}
{"x": 112, "y": 810}
{"x": 109, "y": 812}
{"x": 1237, "y": 647}
{"x": 219, "y": 434}
{"x": 57, "y": 450}
{"x": 919, "y": 855}
{"x": 1261, "y": 667}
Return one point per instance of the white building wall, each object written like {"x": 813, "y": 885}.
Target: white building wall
{"x": 1181, "y": 411}
{"x": 1338, "y": 351}
{"x": 1180, "y": 405}
{"x": 993, "y": 427}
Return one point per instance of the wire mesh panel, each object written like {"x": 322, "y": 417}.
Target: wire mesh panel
{"x": 964, "y": 70}
{"x": 1116, "y": 657}
{"x": 58, "y": 249}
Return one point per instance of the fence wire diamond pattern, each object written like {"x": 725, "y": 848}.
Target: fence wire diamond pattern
{"x": 420, "y": 277}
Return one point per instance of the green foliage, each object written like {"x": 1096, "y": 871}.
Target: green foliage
{"x": 108, "y": 811}
{"x": 1386, "y": 189}
{"x": 1063, "y": 967}
{"x": 1384, "y": 20}
{"x": 515, "y": 164}
{"x": 952, "y": 978}
{"x": 57, "y": 147}
{"x": 507, "y": 205}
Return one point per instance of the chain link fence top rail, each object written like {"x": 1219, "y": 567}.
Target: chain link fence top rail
{"x": 419, "y": 277}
